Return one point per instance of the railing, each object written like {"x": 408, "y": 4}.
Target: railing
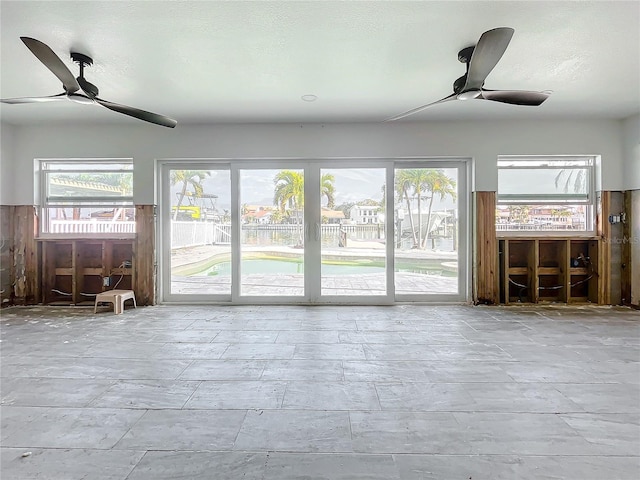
{"x": 91, "y": 226}
{"x": 190, "y": 233}
{"x": 505, "y": 227}
{"x": 222, "y": 233}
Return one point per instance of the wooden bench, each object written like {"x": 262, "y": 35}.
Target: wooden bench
{"x": 117, "y": 297}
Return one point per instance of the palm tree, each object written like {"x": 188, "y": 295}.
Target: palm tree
{"x": 289, "y": 191}
{"x": 438, "y": 184}
{"x": 518, "y": 214}
{"x": 193, "y": 178}
{"x": 574, "y": 180}
{"x": 403, "y": 185}
{"x": 276, "y": 216}
{"x": 327, "y": 189}
{"x": 417, "y": 182}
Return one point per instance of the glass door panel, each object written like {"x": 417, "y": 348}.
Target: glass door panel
{"x": 352, "y": 232}
{"x": 358, "y": 232}
{"x": 427, "y": 231}
{"x": 271, "y": 208}
{"x": 198, "y": 213}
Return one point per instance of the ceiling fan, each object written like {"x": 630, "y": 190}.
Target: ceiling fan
{"x": 480, "y": 61}
{"x": 72, "y": 85}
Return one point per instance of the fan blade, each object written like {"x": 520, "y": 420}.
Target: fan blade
{"x": 139, "y": 114}
{"x": 419, "y": 109}
{"x": 53, "y": 63}
{"x": 486, "y": 54}
{"x": 52, "y": 98}
{"x": 516, "y": 97}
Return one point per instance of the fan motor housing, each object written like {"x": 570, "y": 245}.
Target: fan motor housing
{"x": 81, "y": 59}
{"x": 458, "y": 85}
{"x": 464, "y": 55}
{"x": 84, "y": 60}
{"x": 89, "y": 88}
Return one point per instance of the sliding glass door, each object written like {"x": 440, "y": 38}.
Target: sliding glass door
{"x": 353, "y": 237}
{"x": 272, "y": 232}
{"x": 331, "y": 231}
{"x": 196, "y": 221}
{"x": 428, "y": 227}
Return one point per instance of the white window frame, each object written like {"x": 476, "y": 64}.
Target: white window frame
{"x": 547, "y": 162}
{"x": 94, "y": 201}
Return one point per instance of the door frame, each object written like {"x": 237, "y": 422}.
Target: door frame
{"x": 312, "y": 251}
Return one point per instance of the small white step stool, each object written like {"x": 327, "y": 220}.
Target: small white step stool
{"x": 117, "y": 297}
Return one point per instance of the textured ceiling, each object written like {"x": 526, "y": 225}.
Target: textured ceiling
{"x": 246, "y": 62}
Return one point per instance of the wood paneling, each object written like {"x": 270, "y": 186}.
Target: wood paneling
{"x": 6, "y": 254}
{"x": 144, "y": 255}
{"x": 25, "y": 256}
{"x": 25, "y": 268}
{"x": 486, "y": 282}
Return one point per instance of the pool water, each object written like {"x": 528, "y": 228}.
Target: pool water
{"x": 289, "y": 267}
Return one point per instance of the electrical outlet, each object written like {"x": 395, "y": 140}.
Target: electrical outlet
{"x": 106, "y": 281}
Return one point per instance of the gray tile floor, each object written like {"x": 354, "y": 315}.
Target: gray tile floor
{"x": 399, "y": 392}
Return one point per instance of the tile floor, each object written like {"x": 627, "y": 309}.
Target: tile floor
{"x": 282, "y": 393}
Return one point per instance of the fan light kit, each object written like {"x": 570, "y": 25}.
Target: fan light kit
{"x": 72, "y": 85}
{"x": 480, "y": 61}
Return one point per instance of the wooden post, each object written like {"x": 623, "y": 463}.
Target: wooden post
{"x": 144, "y": 269}
{"x": 604, "y": 257}
{"x": 486, "y": 251}
{"x": 25, "y": 256}
{"x": 632, "y": 247}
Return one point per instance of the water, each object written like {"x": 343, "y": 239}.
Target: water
{"x": 267, "y": 238}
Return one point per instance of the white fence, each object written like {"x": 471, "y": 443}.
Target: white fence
{"x": 91, "y": 226}
{"x": 189, "y": 234}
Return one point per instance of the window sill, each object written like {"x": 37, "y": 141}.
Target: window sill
{"x": 553, "y": 235}
{"x": 84, "y": 236}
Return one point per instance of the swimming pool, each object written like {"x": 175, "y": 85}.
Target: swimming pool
{"x": 291, "y": 266}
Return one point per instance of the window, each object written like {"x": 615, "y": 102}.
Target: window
{"x": 545, "y": 194}
{"x": 87, "y": 197}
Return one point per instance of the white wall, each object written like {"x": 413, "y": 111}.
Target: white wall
{"x": 7, "y": 136}
{"x": 483, "y": 141}
{"x": 631, "y": 152}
